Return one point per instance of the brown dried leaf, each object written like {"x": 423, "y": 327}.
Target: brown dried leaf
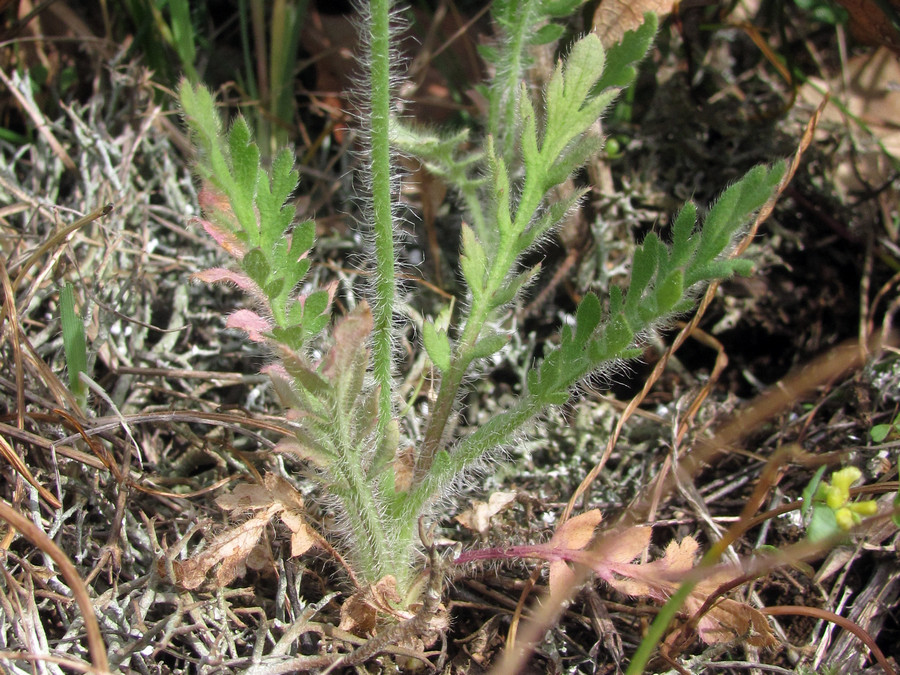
{"x": 303, "y": 537}
{"x": 869, "y": 23}
{"x": 404, "y": 468}
{"x": 283, "y": 492}
{"x": 660, "y": 578}
{"x": 478, "y": 518}
{"x": 359, "y": 614}
{"x": 245, "y": 497}
{"x": 229, "y": 550}
{"x": 614, "y": 18}
{"x": 577, "y": 532}
{"x": 729, "y": 621}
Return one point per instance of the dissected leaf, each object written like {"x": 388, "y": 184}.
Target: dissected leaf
{"x": 231, "y": 549}
{"x": 574, "y": 534}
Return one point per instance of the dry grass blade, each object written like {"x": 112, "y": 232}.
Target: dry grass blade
{"x": 95, "y": 642}
{"x": 22, "y": 469}
{"x": 9, "y": 301}
{"x": 39, "y": 120}
{"x": 846, "y": 624}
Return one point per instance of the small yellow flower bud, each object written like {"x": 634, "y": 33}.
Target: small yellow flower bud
{"x": 845, "y": 477}
{"x": 866, "y": 508}
{"x": 845, "y": 518}
{"x": 835, "y": 497}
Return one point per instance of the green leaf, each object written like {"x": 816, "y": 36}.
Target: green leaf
{"x": 617, "y": 335}
{"x": 621, "y": 59}
{"x": 670, "y": 291}
{"x": 256, "y": 266}
{"x": 810, "y": 490}
{"x": 501, "y": 192}
{"x": 315, "y": 326}
{"x": 683, "y": 245}
{"x": 587, "y": 318}
{"x": 555, "y": 397}
{"x": 895, "y": 518}
{"x": 473, "y": 261}
{"x": 560, "y": 8}
{"x": 316, "y": 305}
{"x": 292, "y": 336}
{"x": 551, "y": 217}
{"x": 437, "y": 344}
{"x": 742, "y": 267}
{"x": 880, "y": 431}
{"x": 489, "y": 345}
{"x": 822, "y": 524}
{"x": 508, "y": 292}
{"x": 551, "y": 32}
{"x": 735, "y": 207}
{"x": 302, "y": 239}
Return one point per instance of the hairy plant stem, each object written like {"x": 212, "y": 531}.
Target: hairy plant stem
{"x": 374, "y": 554}
{"x": 479, "y": 314}
{"x": 382, "y": 202}
{"x": 503, "y": 110}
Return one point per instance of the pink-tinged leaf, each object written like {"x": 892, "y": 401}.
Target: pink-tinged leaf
{"x": 249, "y": 322}
{"x": 624, "y": 546}
{"x": 219, "y": 275}
{"x": 561, "y": 578}
{"x": 577, "y": 532}
{"x": 224, "y": 238}
{"x": 613, "y": 553}
{"x": 275, "y": 370}
{"x": 212, "y": 200}
{"x": 350, "y": 335}
{"x": 573, "y": 535}
{"x": 660, "y": 578}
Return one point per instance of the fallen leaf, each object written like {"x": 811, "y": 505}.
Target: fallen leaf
{"x": 478, "y": 518}
{"x": 404, "y": 468}
{"x": 574, "y": 534}
{"x": 871, "y": 25}
{"x": 614, "y": 18}
{"x": 229, "y": 550}
{"x": 303, "y": 537}
{"x": 866, "y": 89}
{"x": 727, "y": 621}
{"x": 360, "y": 612}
